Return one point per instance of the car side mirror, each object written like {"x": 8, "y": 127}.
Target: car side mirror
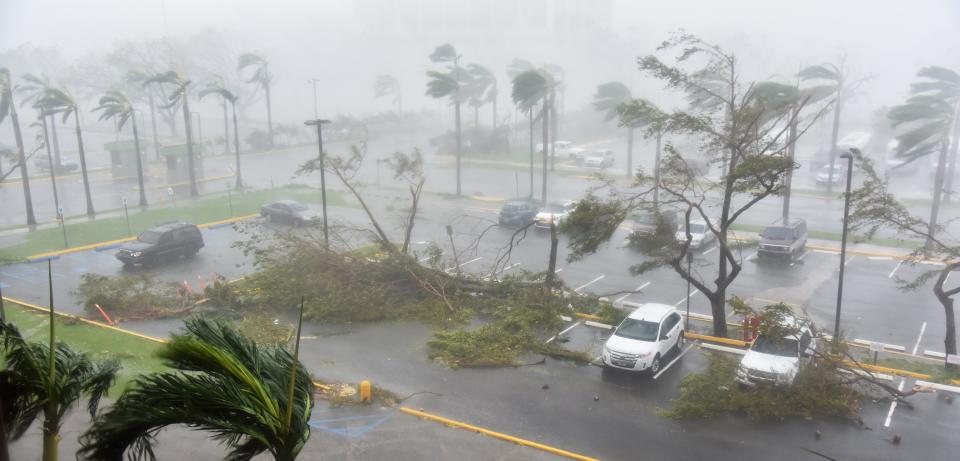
{"x": 665, "y": 336}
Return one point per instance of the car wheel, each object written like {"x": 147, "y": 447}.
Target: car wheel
{"x": 681, "y": 341}
{"x": 655, "y": 366}
{"x": 190, "y": 252}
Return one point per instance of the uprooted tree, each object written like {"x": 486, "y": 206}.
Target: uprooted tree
{"x": 743, "y": 129}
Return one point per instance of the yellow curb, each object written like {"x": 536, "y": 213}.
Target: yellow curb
{"x": 87, "y": 321}
{"x": 186, "y": 183}
{"x": 482, "y": 198}
{"x": 497, "y": 435}
{"x": 716, "y": 339}
{"x": 588, "y": 316}
{"x": 890, "y": 371}
{"x": 229, "y": 220}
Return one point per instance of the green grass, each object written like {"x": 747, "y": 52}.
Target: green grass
{"x": 197, "y": 211}
{"x": 136, "y": 355}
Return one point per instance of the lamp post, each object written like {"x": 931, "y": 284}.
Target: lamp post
{"x": 686, "y": 325}
{"x": 313, "y": 82}
{"x": 843, "y": 242}
{"x": 323, "y": 184}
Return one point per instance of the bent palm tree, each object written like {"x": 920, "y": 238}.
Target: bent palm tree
{"x": 530, "y": 88}
{"x": 56, "y": 101}
{"x": 640, "y": 113}
{"x": 8, "y": 108}
{"x": 224, "y": 383}
{"x": 32, "y": 91}
{"x": 608, "y": 99}
{"x": 261, "y": 76}
{"x": 448, "y": 85}
{"x": 387, "y": 85}
{"x": 483, "y": 90}
{"x": 115, "y": 105}
{"x": 226, "y": 96}
{"x": 179, "y": 96}
{"x": 137, "y": 77}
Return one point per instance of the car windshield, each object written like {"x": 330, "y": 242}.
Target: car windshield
{"x": 778, "y": 233}
{"x": 641, "y": 330}
{"x": 695, "y": 228}
{"x": 149, "y": 237}
{"x": 554, "y": 208}
{"x": 512, "y": 207}
{"x": 784, "y": 347}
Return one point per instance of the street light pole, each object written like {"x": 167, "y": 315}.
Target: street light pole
{"x": 686, "y": 326}
{"x": 323, "y": 184}
{"x": 843, "y": 242}
{"x": 313, "y": 81}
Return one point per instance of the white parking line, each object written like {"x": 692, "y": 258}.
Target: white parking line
{"x": 424, "y": 259}
{"x": 695, "y": 291}
{"x": 577, "y": 290}
{"x": 616, "y": 301}
{"x": 893, "y": 406}
{"x": 464, "y": 264}
{"x": 847, "y": 263}
{"x": 752, "y": 257}
{"x": 825, "y": 252}
{"x": 681, "y": 354}
{"x": 563, "y": 332}
{"x": 945, "y": 279}
{"x": 895, "y": 268}
{"x": 917, "y": 345}
{"x": 879, "y": 258}
{"x": 708, "y": 251}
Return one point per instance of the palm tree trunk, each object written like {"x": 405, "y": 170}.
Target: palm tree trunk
{"x": 629, "y": 152}
{"x": 457, "y": 117}
{"x": 937, "y": 190}
{"x": 269, "y": 115}
{"x": 553, "y": 131}
{"x": 476, "y": 118}
{"x": 51, "y": 424}
{"x": 55, "y": 139}
{"x": 952, "y": 163}
{"x": 545, "y": 121}
{"x": 788, "y": 181}
{"x": 551, "y": 277}
{"x": 53, "y": 173}
{"x": 136, "y": 144}
{"x": 83, "y": 165}
{"x": 153, "y": 124}
{"x": 531, "y": 152}
{"x": 834, "y": 134}
{"x": 656, "y": 171}
{"x": 51, "y": 444}
{"x": 494, "y": 113}
{"x": 24, "y": 175}
{"x": 190, "y": 159}
{"x": 236, "y": 144}
{"x": 226, "y": 128}
{"x": 946, "y": 301}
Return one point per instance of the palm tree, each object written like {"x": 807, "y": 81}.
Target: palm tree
{"x": 515, "y": 68}
{"x": 252, "y": 398}
{"x": 8, "y": 108}
{"x": 136, "y": 77}
{"x": 227, "y": 96}
{"x": 448, "y": 85}
{"x": 558, "y": 78}
{"x": 483, "y": 90}
{"x": 49, "y": 378}
{"x": 640, "y": 113}
{"x": 179, "y": 96}
{"x": 32, "y": 91}
{"x": 56, "y": 101}
{"x": 608, "y": 99}
{"x": 388, "y": 85}
{"x": 115, "y": 105}
{"x": 530, "y": 88}
{"x": 262, "y": 77}
{"x": 929, "y": 116}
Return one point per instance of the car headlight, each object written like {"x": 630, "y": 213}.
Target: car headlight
{"x": 136, "y": 254}
{"x": 645, "y": 355}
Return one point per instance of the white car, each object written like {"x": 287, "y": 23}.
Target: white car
{"x": 577, "y": 154}
{"x": 599, "y": 160}
{"x": 555, "y": 212}
{"x": 839, "y": 173}
{"x": 559, "y": 148}
{"x": 641, "y": 341}
{"x": 778, "y": 361}
{"x": 700, "y": 234}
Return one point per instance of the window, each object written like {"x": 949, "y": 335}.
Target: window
{"x": 166, "y": 238}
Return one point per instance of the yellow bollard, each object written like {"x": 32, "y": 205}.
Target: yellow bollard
{"x": 365, "y": 391}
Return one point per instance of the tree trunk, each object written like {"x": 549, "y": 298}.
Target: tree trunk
{"x": 629, "y": 152}
{"x": 53, "y": 174}
{"x": 656, "y": 171}
{"x": 24, "y": 175}
{"x": 551, "y": 277}
{"x": 545, "y": 121}
{"x": 946, "y": 300}
{"x": 457, "y": 121}
{"x": 226, "y": 128}
{"x": 788, "y": 181}
{"x": 51, "y": 445}
{"x": 494, "y": 113}
{"x": 236, "y": 144}
{"x": 83, "y": 165}
{"x": 476, "y": 118}
{"x": 553, "y": 131}
{"x": 835, "y": 133}
{"x": 952, "y": 163}
{"x": 531, "y": 152}
{"x": 136, "y": 144}
{"x": 269, "y": 115}
{"x": 55, "y": 139}
{"x": 153, "y": 124}
{"x": 4, "y": 379}
{"x": 190, "y": 159}
{"x": 937, "y": 191}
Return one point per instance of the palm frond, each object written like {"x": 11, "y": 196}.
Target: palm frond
{"x": 518, "y": 66}
{"x": 609, "y": 97}
{"x": 529, "y": 87}
{"x": 823, "y": 71}
{"x": 6, "y": 96}
{"x": 441, "y": 84}
{"x": 444, "y": 53}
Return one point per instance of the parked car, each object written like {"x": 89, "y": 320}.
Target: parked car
{"x": 643, "y": 338}
{"x": 555, "y": 212}
{"x": 599, "y": 160}
{"x": 67, "y": 165}
{"x": 838, "y": 176}
{"x": 577, "y": 155}
{"x": 778, "y": 361}
{"x": 783, "y": 240}
{"x": 164, "y": 241}
{"x": 645, "y": 223}
{"x": 518, "y": 212}
{"x": 559, "y": 148}
{"x": 290, "y": 211}
{"x": 700, "y": 234}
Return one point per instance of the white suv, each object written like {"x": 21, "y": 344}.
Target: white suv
{"x": 643, "y": 338}
{"x": 778, "y": 361}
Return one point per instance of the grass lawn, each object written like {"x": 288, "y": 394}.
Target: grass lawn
{"x": 136, "y": 355}
{"x": 199, "y": 211}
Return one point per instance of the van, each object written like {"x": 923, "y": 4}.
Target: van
{"x": 785, "y": 240}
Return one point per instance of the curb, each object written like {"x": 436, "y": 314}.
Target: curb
{"x": 87, "y": 321}
{"x": 496, "y": 435}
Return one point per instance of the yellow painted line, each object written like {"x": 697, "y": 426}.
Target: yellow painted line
{"x": 79, "y": 248}
{"x": 497, "y": 435}
{"x": 486, "y": 199}
{"x": 186, "y": 183}
{"x": 582, "y": 315}
{"x": 87, "y": 321}
{"x": 229, "y": 220}
{"x": 716, "y": 339}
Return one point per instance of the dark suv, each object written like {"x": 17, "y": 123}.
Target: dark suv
{"x": 783, "y": 240}
{"x": 168, "y": 240}
{"x": 518, "y": 212}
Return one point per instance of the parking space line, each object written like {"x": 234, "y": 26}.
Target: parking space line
{"x": 618, "y": 300}
{"x": 577, "y": 290}
{"x": 708, "y": 251}
{"x": 681, "y": 354}
{"x": 893, "y": 405}
{"x": 895, "y": 268}
{"x": 695, "y": 291}
{"x": 847, "y": 263}
{"x": 752, "y": 257}
{"x": 464, "y": 264}
{"x": 880, "y": 258}
{"x": 919, "y": 337}
{"x": 576, "y": 324}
